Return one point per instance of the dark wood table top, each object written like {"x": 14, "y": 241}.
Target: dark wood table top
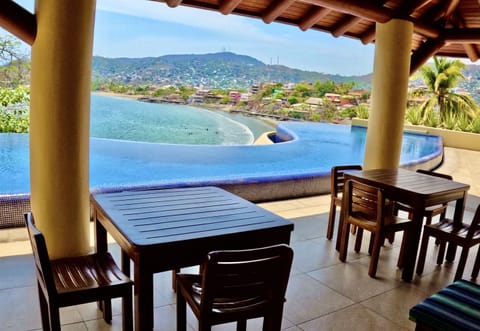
{"x": 403, "y": 182}
{"x": 146, "y": 220}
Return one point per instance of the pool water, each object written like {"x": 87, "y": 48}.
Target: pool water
{"x": 307, "y": 150}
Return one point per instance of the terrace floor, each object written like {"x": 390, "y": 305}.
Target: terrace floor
{"x": 323, "y": 293}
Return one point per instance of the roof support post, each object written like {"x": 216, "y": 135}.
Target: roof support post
{"x": 389, "y": 94}
{"x": 60, "y": 123}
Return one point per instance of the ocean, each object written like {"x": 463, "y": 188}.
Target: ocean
{"x": 129, "y": 119}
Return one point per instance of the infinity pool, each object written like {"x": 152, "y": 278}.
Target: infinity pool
{"x": 303, "y": 150}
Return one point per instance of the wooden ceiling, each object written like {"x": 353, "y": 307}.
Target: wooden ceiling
{"x": 441, "y": 27}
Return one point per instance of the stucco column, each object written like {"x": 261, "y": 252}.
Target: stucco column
{"x": 60, "y": 123}
{"x": 389, "y": 94}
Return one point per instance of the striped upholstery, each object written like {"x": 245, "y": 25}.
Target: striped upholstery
{"x": 456, "y": 307}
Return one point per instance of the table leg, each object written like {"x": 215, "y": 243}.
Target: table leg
{"x": 143, "y": 292}
{"x": 412, "y": 242}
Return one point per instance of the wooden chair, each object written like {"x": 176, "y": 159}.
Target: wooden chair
{"x": 77, "y": 280}
{"x": 445, "y": 231}
{"x": 336, "y": 189}
{"x": 430, "y": 212}
{"x": 236, "y": 286}
{"x": 365, "y": 207}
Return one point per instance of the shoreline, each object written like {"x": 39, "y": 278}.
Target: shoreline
{"x": 214, "y": 107}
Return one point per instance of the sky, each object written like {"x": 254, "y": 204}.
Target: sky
{"x": 141, "y": 28}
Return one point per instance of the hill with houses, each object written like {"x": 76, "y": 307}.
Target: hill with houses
{"x": 223, "y": 70}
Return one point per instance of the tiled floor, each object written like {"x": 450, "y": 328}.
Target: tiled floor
{"x": 323, "y": 293}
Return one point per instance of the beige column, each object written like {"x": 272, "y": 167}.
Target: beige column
{"x": 60, "y": 123}
{"x": 389, "y": 94}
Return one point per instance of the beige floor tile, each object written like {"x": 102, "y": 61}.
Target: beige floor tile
{"x": 353, "y": 318}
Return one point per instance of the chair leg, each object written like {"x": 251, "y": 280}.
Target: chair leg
{"x": 331, "y": 220}
{"x": 358, "y": 240}
{"x": 43, "y": 309}
{"x": 402, "y": 252}
{"x": 476, "y": 266}
{"x": 344, "y": 241}
{"x": 423, "y": 253}
{"x": 461, "y": 263}
{"x": 107, "y": 311}
{"x": 451, "y": 251}
{"x": 371, "y": 243}
{"x": 181, "y": 312}
{"x": 372, "y": 270}
{"x": 127, "y": 312}
{"x": 54, "y": 315}
{"x": 441, "y": 251}
{"x": 242, "y": 325}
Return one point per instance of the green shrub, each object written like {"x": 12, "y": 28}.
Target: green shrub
{"x": 362, "y": 112}
{"x": 432, "y": 120}
{"x": 349, "y": 112}
{"x": 475, "y": 125}
{"x": 464, "y": 122}
{"x": 414, "y": 115}
{"x": 450, "y": 121}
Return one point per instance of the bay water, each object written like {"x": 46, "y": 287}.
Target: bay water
{"x": 129, "y": 119}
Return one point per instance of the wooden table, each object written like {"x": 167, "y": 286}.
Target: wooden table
{"x": 419, "y": 191}
{"x": 161, "y": 230}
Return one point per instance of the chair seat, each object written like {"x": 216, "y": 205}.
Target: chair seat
{"x": 87, "y": 278}
{"x": 446, "y": 228}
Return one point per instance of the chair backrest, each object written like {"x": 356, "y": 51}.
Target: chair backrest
{"x": 337, "y": 178}
{"x": 433, "y": 173}
{"x": 245, "y": 276}
{"x": 474, "y": 229}
{"x": 40, "y": 254}
{"x": 364, "y": 202}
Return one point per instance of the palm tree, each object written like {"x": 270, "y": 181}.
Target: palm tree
{"x": 441, "y": 78}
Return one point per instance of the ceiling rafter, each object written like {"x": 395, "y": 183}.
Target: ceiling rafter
{"x": 275, "y": 9}
{"x": 346, "y": 24}
{"x": 363, "y": 9}
{"x": 313, "y": 16}
{"x": 425, "y": 52}
{"x": 228, "y": 6}
{"x": 173, "y": 3}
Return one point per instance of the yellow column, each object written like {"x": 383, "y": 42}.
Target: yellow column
{"x": 60, "y": 122}
{"x": 389, "y": 94}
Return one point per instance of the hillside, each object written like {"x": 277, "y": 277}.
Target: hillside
{"x": 217, "y": 70}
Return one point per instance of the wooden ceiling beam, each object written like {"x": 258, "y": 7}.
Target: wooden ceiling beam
{"x": 275, "y": 9}
{"x": 369, "y": 35}
{"x": 425, "y": 52}
{"x": 313, "y": 17}
{"x": 228, "y": 6}
{"x": 409, "y": 7}
{"x": 425, "y": 30}
{"x": 471, "y": 52}
{"x": 363, "y": 9}
{"x": 173, "y": 3}
{"x": 462, "y": 36}
{"x": 18, "y": 21}
{"x": 345, "y": 25}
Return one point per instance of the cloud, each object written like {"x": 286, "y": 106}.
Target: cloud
{"x": 236, "y": 26}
